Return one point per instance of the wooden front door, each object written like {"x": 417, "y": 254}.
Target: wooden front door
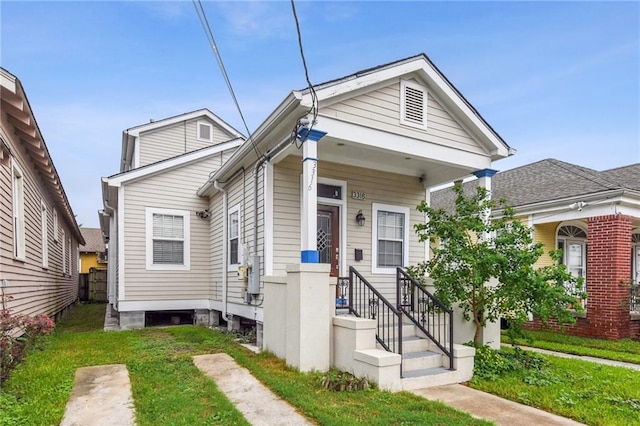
{"x": 329, "y": 237}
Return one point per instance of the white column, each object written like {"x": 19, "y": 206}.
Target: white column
{"x": 309, "y": 210}
{"x": 484, "y": 179}
{"x": 427, "y": 243}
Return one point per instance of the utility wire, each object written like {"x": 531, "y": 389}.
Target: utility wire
{"x": 314, "y": 98}
{"x": 202, "y": 16}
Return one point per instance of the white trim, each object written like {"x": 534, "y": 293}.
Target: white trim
{"x": 427, "y": 242}
{"x": 569, "y": 240}
{"x": 404, "y": 84}
{"x": 69, "y": 255}
{"x": 120, "y": 232}
{"x": 342, "y": 204}
{"x": 186, "y": 215}
{"x": 375, "y": 208}
{"x": 64, "y": 252}
{"x": 18, "y": 224}
{"x": 199, "y": 135}
{"x": 136, "y": 130}
{"x": 246, "y": 311}
{"x": 230, "y": 211}
{"x": 165, "y": 165}
{"x": 268, "y": 218}
{"x": 56, "y": 225}
{"x": 136, "y": 153}
{"x": 44, "y": 231}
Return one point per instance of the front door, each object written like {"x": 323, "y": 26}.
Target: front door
{"x": 329, "y": 237}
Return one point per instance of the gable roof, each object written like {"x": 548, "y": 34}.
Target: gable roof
{"x": 276, "y": 129}
{"x": 550, "y": 180}
{"x": 14, "y": 103}
{"x": 93, "y": 241}
{"x": 129, "y": 135}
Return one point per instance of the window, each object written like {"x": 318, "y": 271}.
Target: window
{"x": 635, "y": 252}
{"x": 572, "y": 240}
{"x": 167, "y": 235}
{"x": 69, "y": 256}
{"x": 18, "y": 213}
{"x": 390, "y": 237}
{"x": 234, "y": 235}
{"x": 413, "y": 104}
{"x": 55, "y": 225}
{"x": 64, "y": 254}
{"x": 205, "y": 131}
{"x": 44, "y": 234}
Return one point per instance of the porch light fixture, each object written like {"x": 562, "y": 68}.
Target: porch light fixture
{"x": 360, "y": 219}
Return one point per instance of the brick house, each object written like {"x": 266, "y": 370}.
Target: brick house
{"x": 594, "y": 218}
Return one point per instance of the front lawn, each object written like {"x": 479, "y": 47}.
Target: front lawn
{"x": 169, "y": 390}
{"x": 626, "y": 350}
{"x": 590, "y": 393}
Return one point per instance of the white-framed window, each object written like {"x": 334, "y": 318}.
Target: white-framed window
{"x": 571, "y": 238}
{"x": 635, "y": 252}
{"x": 167, "y": 239}
{"x": 44, "y": 230}
{"x": 56, "y": 229}
{"x": 205, "y": 131}
{"x": 413, "y": 104}
{"x": 64, "y": 253}
{"x": 19, "y": 250}
{"x": 234, "y": 235}
{"x": 69, "y": 254}
{"x": 390, "y": 240}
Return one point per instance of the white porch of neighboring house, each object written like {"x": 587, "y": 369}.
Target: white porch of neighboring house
{"x": 339, "y": 207}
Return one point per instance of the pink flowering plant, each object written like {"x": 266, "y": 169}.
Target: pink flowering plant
{"x": 18, "y": 333}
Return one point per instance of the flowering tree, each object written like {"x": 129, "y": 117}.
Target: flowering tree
{"x": 18, "y": 333}
{"x": 473, "y": 249}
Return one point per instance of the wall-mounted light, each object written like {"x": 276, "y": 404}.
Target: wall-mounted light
{"x": 360, "y": 219}
{"x": 204, "y": 214}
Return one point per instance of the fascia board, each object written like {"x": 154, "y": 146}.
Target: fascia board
{"x": 172, "y": 163}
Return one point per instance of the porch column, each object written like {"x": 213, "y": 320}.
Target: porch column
{"x": 484, "y": 179}
{"x": 309, "y": 210}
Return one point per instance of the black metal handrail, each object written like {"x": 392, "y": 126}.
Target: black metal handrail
{"x": 367, "y": 302}
{"x": 428, "y": 313}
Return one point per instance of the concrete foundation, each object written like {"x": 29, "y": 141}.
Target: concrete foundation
{"x": 131, "y": 320}
{"x": 201, "y": 317}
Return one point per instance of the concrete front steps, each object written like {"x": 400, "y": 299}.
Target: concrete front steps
{"x": 424, "y": 364}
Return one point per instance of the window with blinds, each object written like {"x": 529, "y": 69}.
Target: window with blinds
{"x": 390, "y": 237}
{"x": 168, "y": 239}
{"x": 234, "y": 235}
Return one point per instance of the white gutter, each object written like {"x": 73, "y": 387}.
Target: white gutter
{"x": 217, "y": 186}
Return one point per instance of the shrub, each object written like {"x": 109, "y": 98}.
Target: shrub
{"x": 490, "y": 364}
{"x": 18, "y": 333}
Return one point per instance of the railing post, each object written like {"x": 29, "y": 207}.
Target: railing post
{"x": 351, "y": 301}
{"x": 451, "y": 340}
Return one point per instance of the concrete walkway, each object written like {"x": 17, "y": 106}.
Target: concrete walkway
{"x": 101, "y": 396}
{"x": 256, "y": 403}
{"x": 582, "y": 357}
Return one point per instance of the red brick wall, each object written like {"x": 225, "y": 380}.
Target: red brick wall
{"x": 608, "y": 273}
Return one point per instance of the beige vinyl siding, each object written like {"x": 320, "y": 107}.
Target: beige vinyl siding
{"x": 215, "y": 246}
{"x": 385, "y": 188}
{"x": 173, "y": 189}
{"x": 179, "y": 138}
{"x": 239, "y": 192}
{"x": 35, "y": 290}
{"x": 380, "y": 109}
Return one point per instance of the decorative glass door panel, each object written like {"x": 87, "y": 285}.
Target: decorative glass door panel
{"x": 329, "y": 237}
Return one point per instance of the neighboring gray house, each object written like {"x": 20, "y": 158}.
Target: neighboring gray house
{"x": 40, "y": 236}
{"x": 594, "y": 217}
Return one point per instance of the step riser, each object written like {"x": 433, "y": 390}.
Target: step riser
{"x": 445, "y": 378}
{"x": 421, "y": 363}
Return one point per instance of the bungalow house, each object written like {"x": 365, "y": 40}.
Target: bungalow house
{"x": 594, "y": 218}
{"x": 40, "y": 236}
{"x": 318, "y": 204}
{"x": 93, "y": 266}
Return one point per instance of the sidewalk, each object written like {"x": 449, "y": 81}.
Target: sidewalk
{"x": 581, "y": 357}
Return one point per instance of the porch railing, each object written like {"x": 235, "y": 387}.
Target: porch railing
{"x": 426, "y": 312}
{"x": 634, "y": 300}
{"x": 367, "y": 302}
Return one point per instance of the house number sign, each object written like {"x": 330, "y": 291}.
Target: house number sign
{"x": 357, "y": 195}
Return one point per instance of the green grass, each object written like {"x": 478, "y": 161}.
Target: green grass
{"x": 590, "y": 393}
{"x": 625, "y": 350}
{"x": 169, "y": 390}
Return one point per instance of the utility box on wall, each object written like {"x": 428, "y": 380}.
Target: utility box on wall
{"x": 253, "y": 285}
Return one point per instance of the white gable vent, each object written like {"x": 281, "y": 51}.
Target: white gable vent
{"x": 205, "y": 131}
{"x": 413, "y": 104}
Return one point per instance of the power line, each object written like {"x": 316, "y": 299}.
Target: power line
{"x": 202, "y": 16}
{"x": 314, "y": 98}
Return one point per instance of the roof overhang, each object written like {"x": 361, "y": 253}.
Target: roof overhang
{"x": 15, "y": 105}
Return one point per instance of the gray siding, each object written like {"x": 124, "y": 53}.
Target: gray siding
{"x": 380, "y": 109}
{"x": 35, "y": 290}
{"x": 180, "y": 138}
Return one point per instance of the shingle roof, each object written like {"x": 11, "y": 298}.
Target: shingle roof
{"x": 94, "y": 242}
{"x": 549, "y": 180}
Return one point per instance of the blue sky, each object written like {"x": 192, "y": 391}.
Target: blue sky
{"x": 554, "y": 79}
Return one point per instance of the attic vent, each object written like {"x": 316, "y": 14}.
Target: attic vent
{"x": 413, "y": 104}
{"x": 205, "y": 131}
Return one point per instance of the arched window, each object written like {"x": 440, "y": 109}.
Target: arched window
{"x": 572, "y": 240}
{"x": 635, "y": 252}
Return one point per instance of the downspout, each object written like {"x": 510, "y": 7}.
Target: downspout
{"x": 217, "y": 186}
